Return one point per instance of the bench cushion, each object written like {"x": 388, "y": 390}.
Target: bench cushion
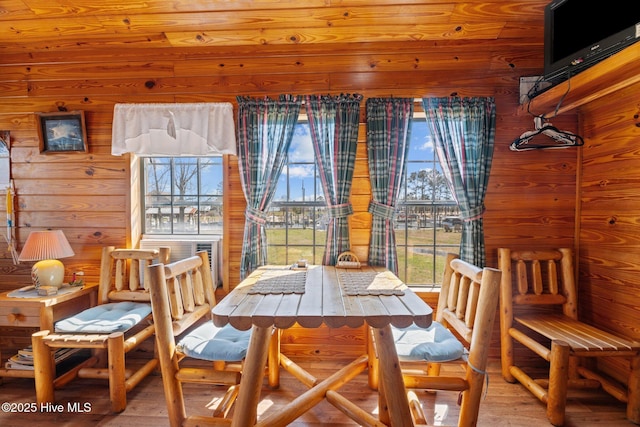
{"x": 209, "y": 342}
{"x": 433, "y": 344}
{"x": 105, "y": 318}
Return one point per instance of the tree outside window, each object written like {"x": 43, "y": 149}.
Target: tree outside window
{"x": 183, "y": 195}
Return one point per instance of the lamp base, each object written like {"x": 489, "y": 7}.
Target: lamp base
{"x": 48, "y": 272}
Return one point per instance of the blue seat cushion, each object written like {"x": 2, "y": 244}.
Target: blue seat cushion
{"x": 209, "y": 342}
{"x": 433, "y": 344}
{"x": 105, "y": 318}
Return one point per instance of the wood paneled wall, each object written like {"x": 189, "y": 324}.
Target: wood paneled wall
{"x": 531, "y": 198}
{"x": 609, "y": 212}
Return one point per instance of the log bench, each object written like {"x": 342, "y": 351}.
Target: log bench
{"x": 545, "y": 278}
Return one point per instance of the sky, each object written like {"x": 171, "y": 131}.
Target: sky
{"x": 301, "y": 150}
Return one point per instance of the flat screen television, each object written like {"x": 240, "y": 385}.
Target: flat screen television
{"x": 579, "y": 34}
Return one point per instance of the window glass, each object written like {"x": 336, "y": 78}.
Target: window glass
{"x": 297, "y": 218}
{"x": 427, "y": 221}
{"x": 183, "y": 195}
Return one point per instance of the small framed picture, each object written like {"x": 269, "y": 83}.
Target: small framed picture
{"x": 62, "y": 131}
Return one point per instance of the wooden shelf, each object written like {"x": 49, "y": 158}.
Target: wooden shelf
{"x": 608, "y": 76}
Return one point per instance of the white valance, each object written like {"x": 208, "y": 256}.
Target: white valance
{"x": 196, "y": 129}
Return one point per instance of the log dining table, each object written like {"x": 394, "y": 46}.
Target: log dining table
{"x": 280, "y": 296}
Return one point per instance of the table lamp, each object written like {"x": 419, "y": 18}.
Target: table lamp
{"x": 46, "y": 247}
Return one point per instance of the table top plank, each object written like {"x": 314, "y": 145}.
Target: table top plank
{"x": 240, "y": 318}
{"x": 285, "y": 316}
{"x": 416, "y": 305}
{"x": 228, "y": 305}
{"x": 354, "y": 314}
{"x": 310, "y": 308}
{"x": 402, "y": 316}
{"x": 264, "y": 313}
{"x": 384, "y": 300}
{"x": 333, "y": 312}
{"x": 377, "y": 315}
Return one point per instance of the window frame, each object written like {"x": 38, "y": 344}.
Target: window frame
{"x": 197, "y": 197}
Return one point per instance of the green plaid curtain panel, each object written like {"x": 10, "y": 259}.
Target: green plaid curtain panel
{"x": 463, "y": 130}
{"x": 388, "y": 136}
{"x": 265, "y": 130}
{"x": 333, "y": 124}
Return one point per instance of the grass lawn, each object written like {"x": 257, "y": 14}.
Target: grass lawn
{"x": 416, "y": 265}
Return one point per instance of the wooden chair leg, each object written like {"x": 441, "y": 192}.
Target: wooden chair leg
{"x": 176, "y": 410}
{"x": 174, "y": 398}
{"x": 226, "y": 403}
{"x": 44, "y": 367}
{"x": 558, "y": 382}
{"x": 506, "y": 357}
{"x": 117, "y": 387}
{"x": 416, "y": 409}
{"x": 470, "y": 405}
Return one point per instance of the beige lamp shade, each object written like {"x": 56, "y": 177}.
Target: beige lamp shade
{"x": 46, "y": 247}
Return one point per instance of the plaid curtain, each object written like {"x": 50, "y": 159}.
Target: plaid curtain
{"x": 463, "y": 130}
{"x": 388, "y": 136}
{"x": 333, "y": 123}
{"x": 265, "y": 130}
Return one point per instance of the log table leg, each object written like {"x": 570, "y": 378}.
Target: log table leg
{"x": 307, "y": 400}
{"x": 246, "y": 411}
{"x": 391, "y": 379}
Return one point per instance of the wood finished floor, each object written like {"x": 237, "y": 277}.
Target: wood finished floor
{"x": 505, "y": 405}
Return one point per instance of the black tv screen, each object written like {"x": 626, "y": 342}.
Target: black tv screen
{"x": 578, "y": 35}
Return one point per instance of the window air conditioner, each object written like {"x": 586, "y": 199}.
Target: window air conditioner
{"x": 185, "y": 247}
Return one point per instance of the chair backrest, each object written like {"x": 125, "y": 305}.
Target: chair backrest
{"x": 182, "y": 293}
{"x": 122, "y": 273}
{"x": 538, "y": 278}
{"x": 468, "y": 304}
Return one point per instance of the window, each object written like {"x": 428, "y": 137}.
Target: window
{"x": 297, "y": 217}
{"x": 182, "y": 195}
{"x": 427, "y": 222}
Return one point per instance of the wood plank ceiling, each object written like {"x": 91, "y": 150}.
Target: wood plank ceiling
{"x": 458, "y": 36}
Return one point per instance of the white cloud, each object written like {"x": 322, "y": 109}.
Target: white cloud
{"x": 301, "y": 149}
{"x": 301, "y": 171}
{"x": 427, "y": 144}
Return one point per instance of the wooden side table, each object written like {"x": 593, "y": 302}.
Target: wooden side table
{"x": 41, "y": 313}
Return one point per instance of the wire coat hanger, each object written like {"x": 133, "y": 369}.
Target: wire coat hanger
{"x": 561, "y": 138}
